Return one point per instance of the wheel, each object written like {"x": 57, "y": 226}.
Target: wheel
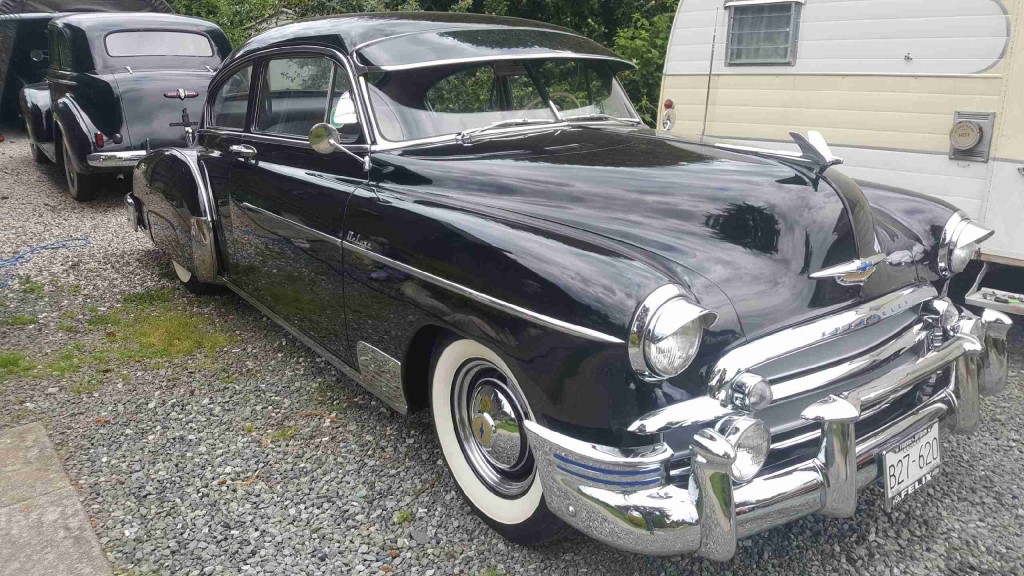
{"x": 478, "y": 412}
{"x": 191, "y": 283}
{"x": 83, "y": 187}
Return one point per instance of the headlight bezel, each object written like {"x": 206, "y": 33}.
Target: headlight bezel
{"x": 653, "y": 322}
{"x": 961, "y": 238}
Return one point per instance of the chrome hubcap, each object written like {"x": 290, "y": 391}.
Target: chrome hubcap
{"x": 489, "y": 412}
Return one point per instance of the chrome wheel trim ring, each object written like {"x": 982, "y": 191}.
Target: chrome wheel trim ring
{"x": 488, "y": 410}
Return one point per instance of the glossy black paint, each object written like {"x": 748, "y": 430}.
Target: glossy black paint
{"x": 577, "y": 224}
{"x": 92, "y": 92}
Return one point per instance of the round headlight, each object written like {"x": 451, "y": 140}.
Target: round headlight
{"x": 666, "y": 333}
{"x": 752, "y": 439}
{"x": 673, "y": 341}
{"x": 961, "y": 257}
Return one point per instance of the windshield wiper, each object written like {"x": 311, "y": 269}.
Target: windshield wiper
{"x": 466, "y": 134}
{"x": 604, "y": 117}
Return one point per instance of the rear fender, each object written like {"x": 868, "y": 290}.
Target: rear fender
{"x": 173, "y": 202}
{"x": 76, "y": 130}
{"x": 35, "y": 108}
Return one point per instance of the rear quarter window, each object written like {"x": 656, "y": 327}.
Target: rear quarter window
{"x": 158, "y": 43}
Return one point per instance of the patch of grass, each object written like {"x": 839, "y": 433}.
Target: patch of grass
{"x": 75, "y": 289}
{"x": 92, "y": 309}
{"x": 105, "y": 319}
{"x": 69, "y": 314}
{"x": 403, "y": 516}
{"x": 67, "y": 327}
{"x": 13, "y": 363}
{"x": 149, "y": 297}
{"x": 285, "y": 433}
{"x": 31, "y": 287}
{"x": 67, "y": 361}
{"x": 20, "y": 320}
{"x": 250, "y": 427}
{"x": 88, "y": 387}
{"x": 490, "y": 572}
{"x": 168, "y": 333}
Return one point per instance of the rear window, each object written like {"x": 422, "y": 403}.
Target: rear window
{"x": 158, "y": 43}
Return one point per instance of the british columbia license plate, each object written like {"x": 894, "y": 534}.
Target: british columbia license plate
{"x": 909, "y": 465}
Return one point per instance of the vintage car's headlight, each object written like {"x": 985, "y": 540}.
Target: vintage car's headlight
{"x": 752, "y": 439}
{"x": 666, "y": 333}
{"x": 959, "y": 243}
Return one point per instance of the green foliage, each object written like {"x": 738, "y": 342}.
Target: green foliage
{"x": 31, "y": 287}
{"x": 637, "y": 29}
{"x": 645, "y": 43}
{"x": 13, "y": 363}
{"x": 403, "y": 516}
{"x": 20, "y": 320}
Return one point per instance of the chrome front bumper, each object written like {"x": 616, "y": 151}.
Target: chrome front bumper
{"x": 624, "y": 497}
{"x": 126, "y": 159}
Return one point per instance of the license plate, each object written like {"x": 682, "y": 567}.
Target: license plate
{"x": 909, "y": 465}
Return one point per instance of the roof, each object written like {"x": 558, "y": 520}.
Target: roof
{"x": 396, "y": 39}
{"x": 21, "y": 6}
{"x": 102, "y": 22}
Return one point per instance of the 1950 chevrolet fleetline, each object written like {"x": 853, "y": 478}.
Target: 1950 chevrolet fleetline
{"x": 666, "y": 344}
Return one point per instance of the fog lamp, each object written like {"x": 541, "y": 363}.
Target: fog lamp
{"x": 751, "y": 392}
{"x": 752, "y": 440}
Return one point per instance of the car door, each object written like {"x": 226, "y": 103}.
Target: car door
{"x": 287, "y": 202}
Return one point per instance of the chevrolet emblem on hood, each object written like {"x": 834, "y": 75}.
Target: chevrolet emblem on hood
{"x": 181, "y": 94}
{"x": 852, "y": 272}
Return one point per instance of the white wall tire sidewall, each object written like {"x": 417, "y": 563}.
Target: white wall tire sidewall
{"x": 183, "y": 273}
{"x": 503, "y": 510}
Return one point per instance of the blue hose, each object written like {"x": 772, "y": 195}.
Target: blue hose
{"x": 26, "y": 256}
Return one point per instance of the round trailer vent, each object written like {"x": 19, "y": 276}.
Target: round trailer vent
{"x": 966, "y": 134}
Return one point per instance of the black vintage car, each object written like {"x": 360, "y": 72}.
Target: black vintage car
{"x": 118, "y": 85}
{"x": 666, "y": 344}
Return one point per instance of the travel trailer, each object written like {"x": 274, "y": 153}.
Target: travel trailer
{"x": 926, "y": 95}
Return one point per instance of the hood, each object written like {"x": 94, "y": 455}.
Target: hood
{"x": 148, "y": 113}
{"x": 755, "y": 228}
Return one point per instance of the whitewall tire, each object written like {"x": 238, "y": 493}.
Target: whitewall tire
{"x": 490, "y": 462}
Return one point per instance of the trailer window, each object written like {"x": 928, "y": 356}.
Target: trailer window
{"x": 762, "y": 33}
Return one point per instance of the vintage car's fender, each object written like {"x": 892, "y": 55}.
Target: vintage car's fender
{"x": 35, "y": 109}
{"x": 172, "y": 203}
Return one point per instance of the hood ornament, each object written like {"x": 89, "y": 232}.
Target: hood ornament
{"x": 852, "y": 273}
{"x": 181, "y": 94}
{"x": 814, "y": 152}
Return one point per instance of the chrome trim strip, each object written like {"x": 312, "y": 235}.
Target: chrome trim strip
{"x": 790, "y": 340}
{"x": 548, "y": 321}
{"x": 382, "y": 375}
{"x": 115, "y": 159}
{"x": 534, "y": 56}
{"x": 311, "y": 231}
{"x": 334, "y": 360}
{"x": 356, "y": 49}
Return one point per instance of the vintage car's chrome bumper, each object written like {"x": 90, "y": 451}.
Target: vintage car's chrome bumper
{"x": 127, "y": 159}
{"x": 627, "y": 499}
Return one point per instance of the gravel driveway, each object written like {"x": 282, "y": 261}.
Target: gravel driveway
{"x": 205, "y": 440}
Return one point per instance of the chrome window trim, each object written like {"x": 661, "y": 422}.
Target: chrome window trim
{"x": 207, "y": 115}
{"x": 534, "y": 56}
{"x": 789, "y": 340}
{"x": 554, "y": 323}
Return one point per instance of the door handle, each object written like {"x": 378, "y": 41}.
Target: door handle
{"x": 242, "y": 150}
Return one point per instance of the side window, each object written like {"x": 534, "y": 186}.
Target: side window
{"x": 294, "y": 94}
{"x": 763, "y": 33}
{"x": 65, "y": 51}
{"x": 232, "y": 101}
{"x": 343, "y": 108}
{"x": 58, "y": 50}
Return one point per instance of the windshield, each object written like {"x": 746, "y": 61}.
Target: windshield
{"x": 452, "y": 99}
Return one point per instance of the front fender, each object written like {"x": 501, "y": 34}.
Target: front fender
{"x": 173, "y": 201}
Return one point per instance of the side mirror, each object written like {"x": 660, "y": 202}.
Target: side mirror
{"x": 324, "y": 138}
{"x": 37, "y": 55}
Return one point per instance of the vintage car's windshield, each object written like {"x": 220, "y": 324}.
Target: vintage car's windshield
{"x": 438, "y": 100}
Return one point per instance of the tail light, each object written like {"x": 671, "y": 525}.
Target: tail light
{"x": 669, "y": 104}
{"x": 98, "y": 138}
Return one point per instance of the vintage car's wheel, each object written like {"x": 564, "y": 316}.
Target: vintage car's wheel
{"x": 191, "y": 283}
{"x": 478, "y": 412}
{"x": 83, "y": 187}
